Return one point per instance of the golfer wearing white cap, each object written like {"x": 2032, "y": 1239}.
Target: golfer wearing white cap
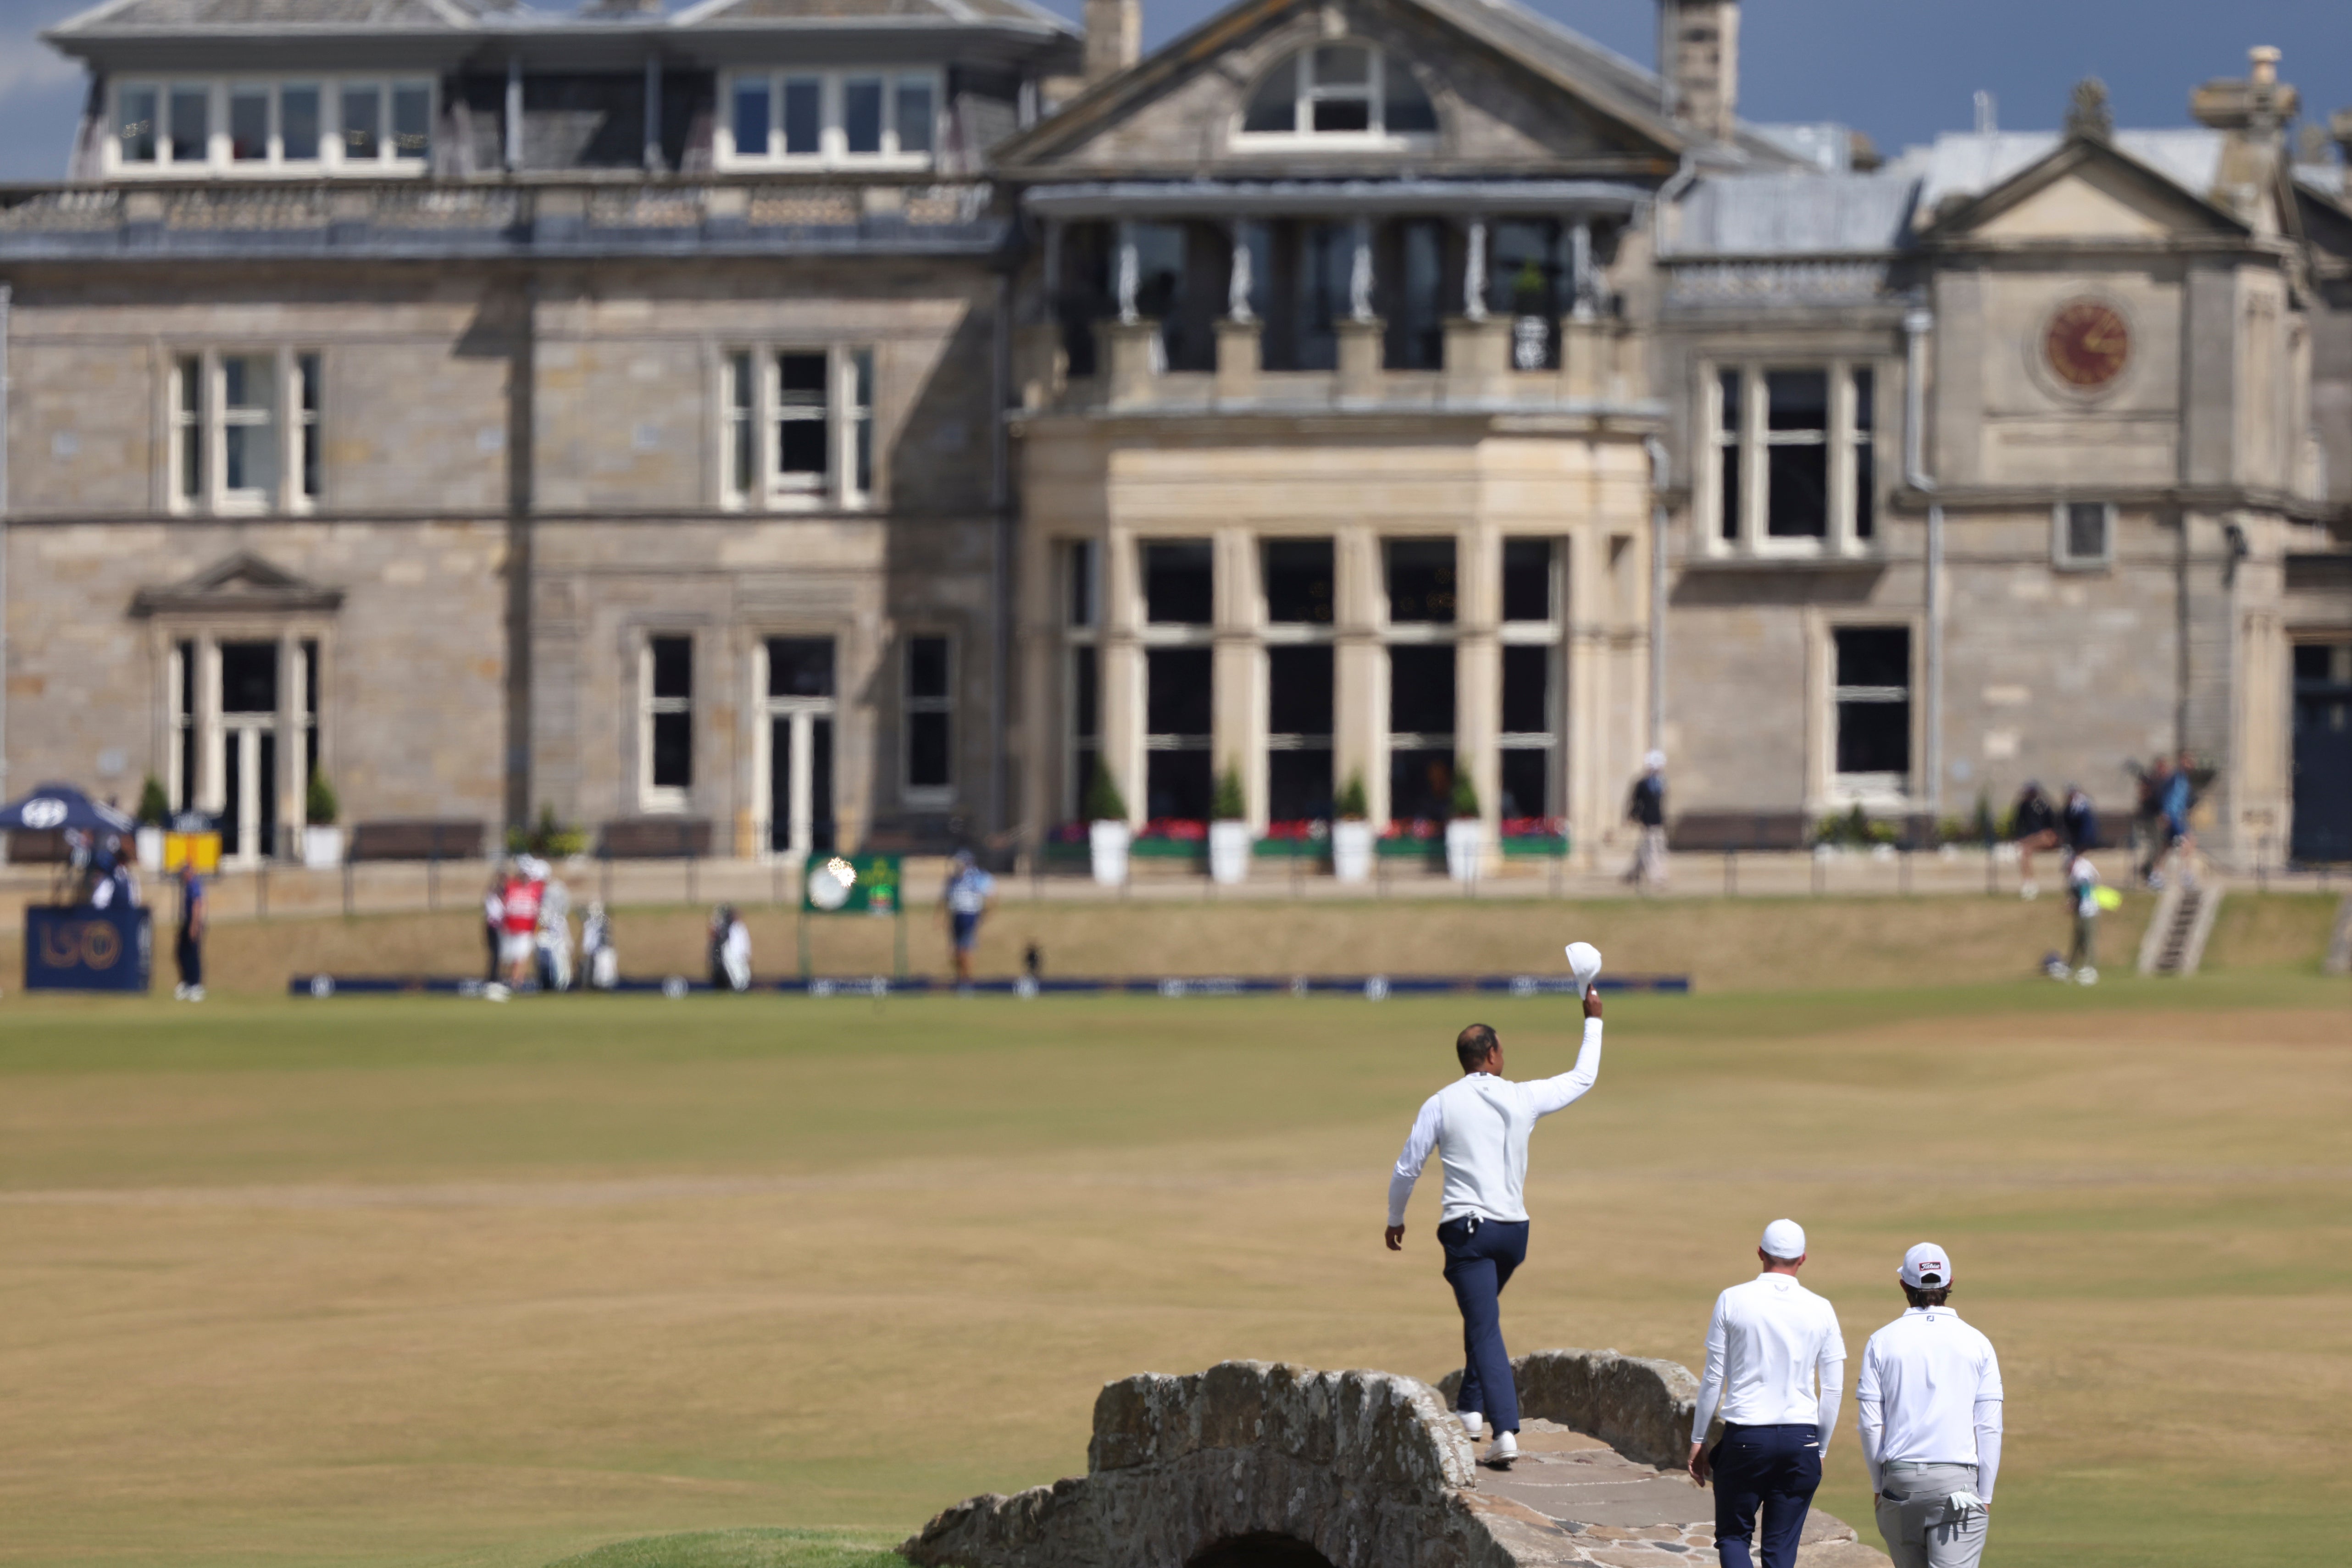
{"x": 1478, "y": 1125}
{"x": 1768, "y": 1341}
{"x": 1928, "y": 1405}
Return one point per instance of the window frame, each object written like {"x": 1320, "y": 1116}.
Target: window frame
{"x": 221, "y": 93}
{"x": 1306, "y": 92}
{"x": 833, "y": 136}
{"x": 653, "y": 799}
{"x": 2061, "y": 542}
{"x": 1836, "y": 790}
{"x": 1748, "y": 443}
{"x": 911, "y": 793}
{"x": 852, "y": 478}
{"x": 296, "y": 417}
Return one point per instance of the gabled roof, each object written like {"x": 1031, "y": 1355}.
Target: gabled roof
{"x": 2183, "y": 166}
{"x": 1608, "y": 84}
{"x": 370, "y": 15}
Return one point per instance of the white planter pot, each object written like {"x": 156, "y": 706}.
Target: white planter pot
{"x": 1108, "y": 842}
{"x": 1466, "y": 848}
{"x": 1351, "y": 850}
{"x": 1229, "y": 851}
{"x": 323, "y": 847}
{"x": 151, "y": 849}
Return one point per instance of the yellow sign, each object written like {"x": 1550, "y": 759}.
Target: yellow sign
{"x": 199, "y": 852}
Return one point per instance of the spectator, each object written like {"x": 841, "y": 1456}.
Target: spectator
{"x": 731, "y": 950}
{"x": 520, "y": 913}
{"x": 965, "y": 899}
{"x": 2078, "y": 821}
{"x": 2034, "y": 828}
{"x": 2082, "y": 891}
{"x": 2180, "y": 795}
{"x": 555, "y": 935}
{"x": 188, "y": 951}
{"x": 2153, "y": 784}
{"x": 494, "y": 919}
{"x": 597, "y": 954}
{"x": 1647, "y": 810}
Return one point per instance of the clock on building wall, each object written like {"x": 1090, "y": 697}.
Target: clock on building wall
{"x": 2087, "y": 343}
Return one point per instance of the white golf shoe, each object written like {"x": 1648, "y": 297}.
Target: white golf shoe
{"x": 1502, "y": 1451}
{"x": 1472, "y": 1424}
{"x": 2086, "y": 975}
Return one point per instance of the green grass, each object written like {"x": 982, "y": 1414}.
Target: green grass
{"x": 413, "y": 1281}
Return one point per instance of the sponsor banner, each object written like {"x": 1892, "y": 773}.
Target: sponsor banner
{"x": 1371, "y": 988}
{"x": 82, "y": 948}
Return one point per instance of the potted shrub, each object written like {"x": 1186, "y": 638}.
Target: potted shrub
{"x": 322, "y": 841}
{"x": 1465, "y": 834}
{"x": 1108, "y": 834}
{"x": 154, "y": 811}
{"x": 1229, "y": 833}
{"x": 1351, "y": 835}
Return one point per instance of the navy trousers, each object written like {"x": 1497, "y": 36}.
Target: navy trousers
{"x": 1773, "y": 1471}
{"x": 1480, "y": 1256}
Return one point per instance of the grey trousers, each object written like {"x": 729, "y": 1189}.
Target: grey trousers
{"x": 1919, "y": 1525}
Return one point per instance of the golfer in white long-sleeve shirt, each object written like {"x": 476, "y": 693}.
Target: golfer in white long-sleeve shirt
{"x": 1928, "y": 1406}
{"x": 1776, "y": 1368}
{"x": 1478, "y": 1125}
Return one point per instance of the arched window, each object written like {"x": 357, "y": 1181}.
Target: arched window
{"x": 1339, "y": 90}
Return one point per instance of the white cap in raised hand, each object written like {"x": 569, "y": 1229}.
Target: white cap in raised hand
{"x": 1584, "y": 963}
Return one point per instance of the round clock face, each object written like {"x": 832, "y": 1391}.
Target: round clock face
{"x": 2088, "y": 344}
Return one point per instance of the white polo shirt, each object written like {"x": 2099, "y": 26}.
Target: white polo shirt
{"x": 1479, "y": 1125}
{"x": 1929, "y": 1393}
{"x": 1768, "y": 1341}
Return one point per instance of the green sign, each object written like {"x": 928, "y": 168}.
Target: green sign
{"x": 850, "y": 884}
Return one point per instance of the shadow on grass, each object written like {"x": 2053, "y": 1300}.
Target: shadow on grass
{"x": 740, "y": 1549}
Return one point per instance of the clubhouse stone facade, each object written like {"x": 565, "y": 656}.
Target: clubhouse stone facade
{"x": 774, "y": 426}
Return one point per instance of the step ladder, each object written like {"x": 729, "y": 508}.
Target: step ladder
{"x": 2175, "y": 941}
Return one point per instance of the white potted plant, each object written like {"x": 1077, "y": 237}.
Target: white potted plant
{"x": 1229, "y": 832}
{"x": 1108, "y": 834}
{"x": 322, "y": 840}
{"x": 1351, "y": 835}
{"x": 1465, "y": 834}
{"x": 154, "y": 811}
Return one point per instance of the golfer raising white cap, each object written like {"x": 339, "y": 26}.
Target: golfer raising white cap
{"x": 1769, "y": 1340}
{"x": 1479, "y": 1125}
{"x": 1928, "y": 1408}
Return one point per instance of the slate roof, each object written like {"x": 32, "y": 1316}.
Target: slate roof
{"x": 732, "y": 13}
{"x": 177, "y": 15}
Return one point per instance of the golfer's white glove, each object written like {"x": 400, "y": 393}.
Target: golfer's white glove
{"x": 1965, "y": 1503}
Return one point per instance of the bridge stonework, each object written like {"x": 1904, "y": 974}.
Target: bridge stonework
{"x": 1258, "y": 1465}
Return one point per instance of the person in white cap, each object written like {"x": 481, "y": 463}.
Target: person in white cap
{"x": 1647, "y": 810}
{"x": 1928, "y": 1406}
{"x": 1775, "y": 1364}
{"x": 1478, "y": 1125}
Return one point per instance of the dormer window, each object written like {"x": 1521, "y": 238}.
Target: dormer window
{"x": 257, "y": 125}
{"x": 1338, "y": 93}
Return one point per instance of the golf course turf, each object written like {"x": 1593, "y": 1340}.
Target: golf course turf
{"x": 415, "y": 1280}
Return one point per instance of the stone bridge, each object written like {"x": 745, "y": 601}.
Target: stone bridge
{"x": 1253, "y": 1465}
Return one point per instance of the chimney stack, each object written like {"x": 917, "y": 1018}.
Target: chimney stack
{"x": 2261, "y": 104}
{"x": 1698, "y": 58}
{"x": 1114, "y": 36}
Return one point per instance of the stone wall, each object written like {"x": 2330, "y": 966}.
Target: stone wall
{"x": 1641, "y": 1407}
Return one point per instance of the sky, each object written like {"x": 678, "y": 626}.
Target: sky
{"x": 1899, "y": 70}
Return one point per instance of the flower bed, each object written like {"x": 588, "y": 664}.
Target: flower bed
{"x": 1294, "y": 841}
{"x": 1172, "y": 839}
{"x": 1534, "y": 838}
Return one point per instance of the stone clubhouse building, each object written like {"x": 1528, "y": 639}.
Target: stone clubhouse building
{"x": 770, "y": 425}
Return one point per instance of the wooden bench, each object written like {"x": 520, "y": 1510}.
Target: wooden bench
{"x": 654, "y": 838}
{"x": 424, "y": 838}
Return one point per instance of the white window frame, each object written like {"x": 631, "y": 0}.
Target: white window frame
{"x": 662, "y": 799}
{"x": 1886, "y": 791}
{"x": 1547, "y": 634}
{"x": 1308, "y": 92}
{"x": 2061, "y": 541}
{"x": 1750, "y": 445}
{"x": 333, "y": 157}
{"x": 911, "y": 793}
{"x": 290, "y": 372}
{"x": 848, "y": 416}
{"x": 833, "y": 136}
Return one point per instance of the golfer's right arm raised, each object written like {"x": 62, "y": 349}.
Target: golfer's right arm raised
{"x": 1549, "y": 1095}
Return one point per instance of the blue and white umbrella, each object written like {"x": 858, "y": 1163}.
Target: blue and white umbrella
{"x": 54, "y": 806}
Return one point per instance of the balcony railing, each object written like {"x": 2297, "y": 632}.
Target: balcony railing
{"x": 412, "y": 218}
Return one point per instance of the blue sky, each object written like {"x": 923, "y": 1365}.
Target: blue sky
{"x": 1900, "y": 70}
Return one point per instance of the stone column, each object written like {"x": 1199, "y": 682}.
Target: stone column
{"x": 1236, "y": 716}
{"x": 1037, "y": 655}
{"x": 1132, "y": 350}
{"x": 293, "y": 795}
{"x": 1121, "y": 669}
{"x": 1478, "y": 664}
{"x": 1361, "y": 351}
{"x": 1586, "y": 356}
{"x": 1478, "y": 358}
{"x": 211, "y": 762}
{"x": 1359, "y": 669}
